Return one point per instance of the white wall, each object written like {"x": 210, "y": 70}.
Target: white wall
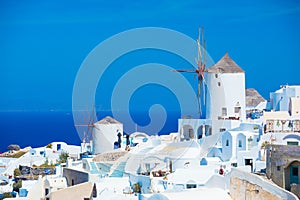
{"x": 227, "y": 151}
{"x": 280, "y": 99}
{"x": 225, "y": 90}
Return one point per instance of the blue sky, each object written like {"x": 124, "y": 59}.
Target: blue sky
{"x": 43, "y": 43}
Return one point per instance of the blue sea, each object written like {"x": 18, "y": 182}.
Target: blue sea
{"x": 38, "y": 129}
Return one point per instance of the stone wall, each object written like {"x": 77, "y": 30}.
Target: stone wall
{"x": 279, "y": 157}
{"x": 75, "y": 177}
{"x": 295, "y": 188}
{"x": 244, "y": 185}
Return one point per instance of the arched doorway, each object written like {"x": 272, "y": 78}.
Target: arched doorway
{"x": 187, "y": 132}
{"x": 200, "y": 131}
{"x": 292, "y": 174}
{"x": 208, "y": 130}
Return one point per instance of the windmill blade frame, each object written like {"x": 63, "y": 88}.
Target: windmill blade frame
{"x": 201, "y": 62}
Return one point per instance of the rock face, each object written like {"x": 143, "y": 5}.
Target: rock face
{"x": 253, "y": 98}
{"x": 14, "y": 147}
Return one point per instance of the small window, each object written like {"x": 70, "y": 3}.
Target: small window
{"x": 216, "y": 75}
{"x": 219, "y": 84}
{"x": 190, "y": 186}
{"x": 278, "y": 168}
{"x": 293, "y": 143}
{"x": 234, "y": 164}
{"x": 227, "y": 143}
{"x": 191, "y": 133}
{"x": 237, "y": 109}
{"x": 222, "y": 130}
{"x": 224, "y": 111}
{"x": 240, "y": 143}
{"x": 295, "y": 171}
{"x": 46, "y": 191}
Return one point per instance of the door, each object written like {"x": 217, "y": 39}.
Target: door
{"x": 294, "y": 174}
{"x": 249, "y": 162}
{"x": 58, "y": 147}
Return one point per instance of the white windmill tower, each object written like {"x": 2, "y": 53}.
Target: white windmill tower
{"x": 107, "y": 135}
{"x": 100, "y": 136}
{"x": 226, "y": 83}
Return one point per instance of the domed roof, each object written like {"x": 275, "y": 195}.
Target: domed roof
{"x": 225, "y": 65}
{"x": 108, "y": 120}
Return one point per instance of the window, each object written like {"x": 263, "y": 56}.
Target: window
{"x": 216, "y": 75}
{"x": 295, "y": 171}
{"x": 222, "y": 130}
{"x": 219, "y": 84}
{"x": 240, "y": 143}
{"x": 189, "y": 186}
{"x": 46, "y": 191}
{"x": 292, "y": 143}
{"x": 234, "y": 164}
{"x": 191, "y": 133}
{"x": 237, "y": 109}
{"x": 224, "y": 111}
{"x": 278, "y": 168}
{"x": 208, "y": 130}
{"x": 227, "y": 143}
{"x": 147, "y": 166}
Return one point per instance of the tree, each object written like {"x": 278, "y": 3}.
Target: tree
{"x": 17, "y": 185}
{"x": 137, "y": 188}
{"x": 264, "y": 144}
{"x": 63, "y": 157}
{"x": 17, "y": 172}
{"x": 6, "y": 195}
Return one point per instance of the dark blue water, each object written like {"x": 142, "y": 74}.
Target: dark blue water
{"x": 38, "y": 129}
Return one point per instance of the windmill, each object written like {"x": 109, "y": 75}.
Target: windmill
{"x": 89, "y": 124}
{"x": 201, "y": 62}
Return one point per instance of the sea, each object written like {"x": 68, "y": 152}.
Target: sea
{"x": 37, "y": 129}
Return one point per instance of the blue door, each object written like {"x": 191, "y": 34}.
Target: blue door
{"x": 294, "y": 174}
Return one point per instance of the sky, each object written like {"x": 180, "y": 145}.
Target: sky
{"x": 43, "y": 43}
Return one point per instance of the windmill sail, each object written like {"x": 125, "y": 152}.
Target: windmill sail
{"x": 201, "y": 62}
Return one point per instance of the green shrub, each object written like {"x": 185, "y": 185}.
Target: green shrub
{"x": 137, "y": 188}
{"x": 17, "y": 185}
{"x": 6, "y": 195}
{"x": 63, "y": 157}
{"x": 17, "y": 172}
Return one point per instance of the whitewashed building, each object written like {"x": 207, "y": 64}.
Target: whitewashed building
{"x": 287, "y": 98}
